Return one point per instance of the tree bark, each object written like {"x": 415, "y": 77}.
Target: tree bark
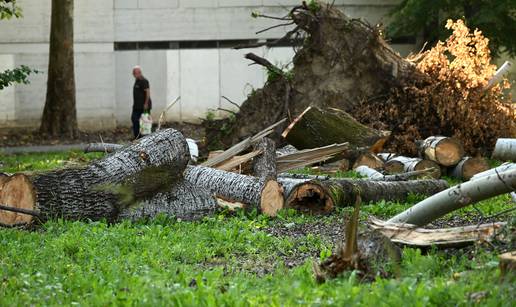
{"x": 102, "y": 147}
{"x": 324, "y": 194}
{"x": 442, "y": 150}
{"x": 457, "y": 197}
{"x": 370, "y": 160}
{"x": 264, "y": 165}
{"x": 184, "y": 201}
{"x": 402, "y": 164}
{"x": 320, "y": 127}
{"x": 505, "y": 150}
{"x": 104, "y": 187}
{"x": 265, "y": 194}
{"x": 59, "y": 114}
{"x": 468, "y": 167}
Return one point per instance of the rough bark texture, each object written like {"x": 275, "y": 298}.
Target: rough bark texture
{"x": 443, "y": 150}
{"x": 264, "y": 194}
{"x": 264, "y": 165}
{"x": 317, "y": 127}
{"x": 184, "y": 201}
{"x": 468, "y": 167}
{"x": 342, "y": 62}
{"x": 102, "y": 147}
{"x": 343, "y": 192}
{"x": 59, "y": 115}
{"x": 457, "y": 197}
{"x": 104, "y": 187}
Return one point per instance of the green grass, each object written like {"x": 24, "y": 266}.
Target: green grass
{"x": 226, "y": 259}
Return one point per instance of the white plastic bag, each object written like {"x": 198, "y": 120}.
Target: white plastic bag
{"x": 145, "y": 124}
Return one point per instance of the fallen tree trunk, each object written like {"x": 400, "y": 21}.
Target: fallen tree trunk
{"x": 457, "y": 197}
{"x": 468, "y": 167}
{"x": 320, "y": 127}
{"x": 324, "y": 194}
{"x": 402, "y": 164}
{"x": 101, "y": 189}
{"x": 370, "y": 160}
{"x": 102, "y": 147}
{"x": 442, "y": 150}
{"x": 305, "y": 157}
{"x": 441, "y": 238}
{"x": 184, "y": 201}
{"x": 264, "y": 194}
{"x": 505, "y": 150}
{"x": 264, "y": 165}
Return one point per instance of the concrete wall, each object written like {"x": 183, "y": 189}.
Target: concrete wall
{"x": 103, "y": 76}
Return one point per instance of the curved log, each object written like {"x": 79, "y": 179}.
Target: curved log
{"x": 104, "y": 187}
{"x": 457, "y": 197}
{"x": 184, "y": 201}
{"x": 265, "y": 194}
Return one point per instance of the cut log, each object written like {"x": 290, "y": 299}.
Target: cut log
{"x": 332, "y": 167}
{"x": 370, "y": 160}
{"x": 102, "y": 147}
{"x": 324, "y": 194}
{"x": 402, "y": 164}
{"x": 368, "y": 172}
{"x": 442, "y": 238}
{"x": 264, "y": 165}
{"x": 101, "y": 189}
{"x": 320, "y": 127}
{"x": 266, "y": 195}
{"x": 457, "y": 197}
{"x": 508, "y": 264}
{"x": 468, "y": 167}
{"x": 493, "y": 171}
{"x": 505, "y": 150}
{"x": 184, "y": 201}
{"x": 442, "y": 150}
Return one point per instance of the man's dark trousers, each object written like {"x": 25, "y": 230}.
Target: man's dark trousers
{"x": 135, "y": 118}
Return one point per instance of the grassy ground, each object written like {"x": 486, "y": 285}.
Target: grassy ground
{"x": 230, "y": 259}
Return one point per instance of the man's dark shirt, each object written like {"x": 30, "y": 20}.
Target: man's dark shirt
{"x": 140, "y": 85}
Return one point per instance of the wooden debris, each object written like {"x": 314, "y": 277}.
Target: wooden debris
{"x": 443, "y": 237}
{"x": 324, "y": 193}
{"x": 505, "y": 150}
{"x": 240, "y": 147}
{"x": 239, "y": 164}
{"x": 442, "y": 150}
{"x": 266, "y": 195}
{"x": 457, "y": 197}
{"x": 101, "y": 189}
{"x": 320, "y": 127}
{"x": 368, "y": 172}
{"x": 307, "y": 157}
{"x": 468, "y": 167}
{"x": 370, "y": 160}
{"x": 508, "y": 264}
{"x": 264, "y": 165}
{"x": 402, "y": 164}
{"x": 386, "y": 156}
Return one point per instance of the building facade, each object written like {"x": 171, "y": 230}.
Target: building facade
{"x": 183, "y": 46}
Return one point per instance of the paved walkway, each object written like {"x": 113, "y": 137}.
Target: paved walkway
{"x": 42, "y": 148}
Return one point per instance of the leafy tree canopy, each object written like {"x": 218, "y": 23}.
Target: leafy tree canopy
{"x": 495, "y": 18}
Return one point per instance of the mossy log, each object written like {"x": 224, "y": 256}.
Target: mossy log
{"x": 323, "y": 194}
{"x": 443, "y": 150}
{"x": 264, "y": 194}
{"x": 317, "y": 127}
{"x": 101, "y": 189}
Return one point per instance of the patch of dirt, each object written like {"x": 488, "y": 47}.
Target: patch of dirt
{"x": 27, "y": 137}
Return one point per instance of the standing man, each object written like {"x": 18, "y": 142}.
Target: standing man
{"x": 141, "y": 99}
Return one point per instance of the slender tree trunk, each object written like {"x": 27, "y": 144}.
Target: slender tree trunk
{"x": 59, "y": 114}
{"x": 264, "y": 165}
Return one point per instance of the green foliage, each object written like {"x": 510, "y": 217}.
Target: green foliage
{"x": 210, "y": 115}
{"x": 226, "y": 259}
{"x": 17, "y": 75}
{"x": 495, "y": 18}
{"x": 9, "y": 9}
{"x": 42, "y": 162}
{"x": 314, "y": 6}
